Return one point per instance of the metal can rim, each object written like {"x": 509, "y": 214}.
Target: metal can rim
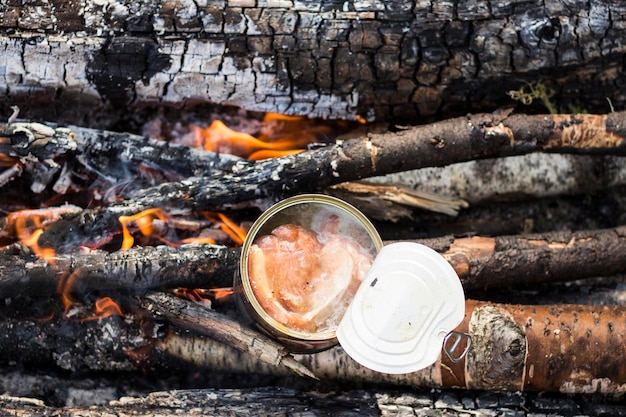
{"x": 251, "y": 236}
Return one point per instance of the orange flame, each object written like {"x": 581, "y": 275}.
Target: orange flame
{"x": 64, "y": 289}
{"x": 28, "y": 225}
{"x": 220, "y": 294}
{"x": 280, "y": 135}
{"x": 234, "y": 231}
{"x": 32, "y": 241}
{"x": 204, "y": 296}
{"x": 105, "y": 307}
{"x": 143, "y": 220}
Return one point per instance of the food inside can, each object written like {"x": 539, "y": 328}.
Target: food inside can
{"x": 301, "y": 264}
{"x": 306, "y": 278}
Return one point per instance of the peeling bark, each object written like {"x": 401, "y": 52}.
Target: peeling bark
{"x": 524, "y": 260}
{"x": 403, "y": 61}
{"x": 556, "y": 348}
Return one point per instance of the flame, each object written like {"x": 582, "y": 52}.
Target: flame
{"x": 32, "y": 241}
{"x": 28, "y": 225}
{"x": 221, "y": 294}
{"x": 104, "y": 308}
{"x": 143, "y": 220}
{"x": 204, "y": 296}
{"x": 234, "y": 231}
{"x": 279, "y": 135}
{"x": 64, "y": 289}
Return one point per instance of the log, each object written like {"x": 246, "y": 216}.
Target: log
{"x": 557, "y": 348}
{"x": 402, "y": 61}
{"x": 523, "y": 260}
{"x": 517, "y": 261}
{"x": 280, "y": 401}
{"x": 442, "y": 143}
{"x": 200, "y": 320}
{"x": 515, "y": 178}
{"x": 141, "y": 268}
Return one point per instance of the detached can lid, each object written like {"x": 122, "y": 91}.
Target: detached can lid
{"x": 408, "y": 303}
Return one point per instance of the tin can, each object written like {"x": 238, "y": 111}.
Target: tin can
{"x": 303, "y": 211}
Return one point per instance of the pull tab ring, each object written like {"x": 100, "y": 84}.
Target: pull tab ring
{"x": 460, "y": 336}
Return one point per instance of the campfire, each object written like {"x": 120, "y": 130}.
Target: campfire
{"x": 141, "y": 237}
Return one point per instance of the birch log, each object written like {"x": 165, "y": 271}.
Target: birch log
{"x": 557, "y": 348}
{"x": 565, "y": 348}
{"x": 515, "y": 178}
{"x": 89, "y": 63}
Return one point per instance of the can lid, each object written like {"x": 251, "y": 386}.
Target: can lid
{"x": 409, "y": 301}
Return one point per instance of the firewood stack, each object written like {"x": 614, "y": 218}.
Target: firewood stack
{"x": 119, "y": 245}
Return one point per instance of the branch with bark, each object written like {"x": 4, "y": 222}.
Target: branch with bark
{"x": 481, "y": 263}
{"x": 564, "y": 348}
{"x": 442, "y": 143}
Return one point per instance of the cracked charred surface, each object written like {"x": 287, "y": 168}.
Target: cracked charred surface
{"x": 405, "y": 61}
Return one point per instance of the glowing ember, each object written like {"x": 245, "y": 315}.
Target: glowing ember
{"x": 5, "y": 160}
{"x": 306, "y": 279}
{"x": 198, "y": 240}
{"x": 204, "y": 296}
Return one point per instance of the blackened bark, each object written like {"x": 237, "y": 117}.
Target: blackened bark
{"x": 135, "y": 270}
{"x": 407, "y": 61}
{"x": 442, "y": 143}
{"x": 519, "y": 261}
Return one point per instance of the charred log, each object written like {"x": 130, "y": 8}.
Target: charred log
{"x": 403, "y": 61}
{"x": 481, "y": 263}
{"x": 136, "y": 270}
{"x": 438, "y": 144}
{"x": 279, "y": 401}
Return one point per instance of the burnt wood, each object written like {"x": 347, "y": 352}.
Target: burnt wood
{"x": 517, "y": 261}
{"x": 442, "y": 143}
{"x": 406, "y": 61}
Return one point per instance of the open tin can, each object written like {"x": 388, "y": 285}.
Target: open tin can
{"x": 393, "y": 309}
{"x": 273, "y": 286}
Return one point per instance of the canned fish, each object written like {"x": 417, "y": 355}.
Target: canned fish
{"x": 301, "y": 264}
